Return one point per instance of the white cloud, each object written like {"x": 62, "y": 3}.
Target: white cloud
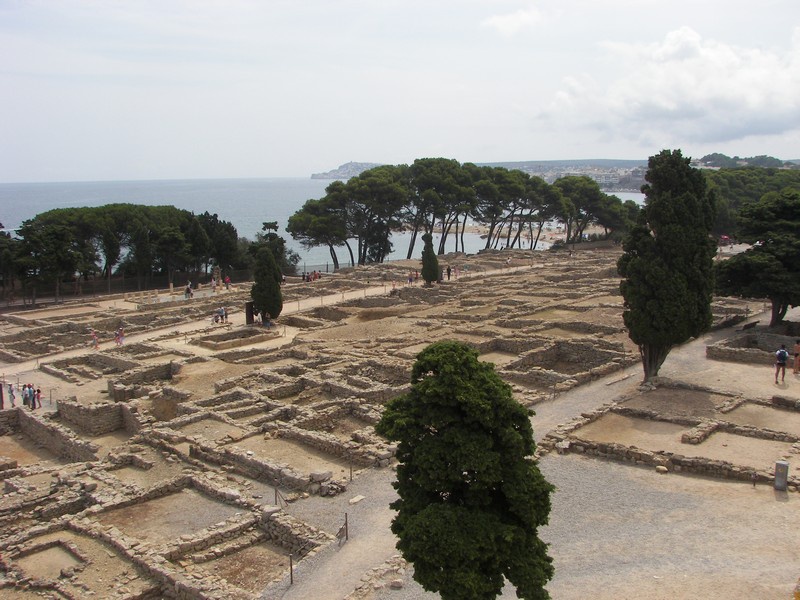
{"x": 684, "y": 89}
{"x": 512, "y": 23}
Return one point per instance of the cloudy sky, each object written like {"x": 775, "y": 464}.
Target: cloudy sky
{"x": 162, "y": 89}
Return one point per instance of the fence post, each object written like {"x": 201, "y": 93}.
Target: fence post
{"x": 291, "y": 570}
{"x": 346, "y": 532}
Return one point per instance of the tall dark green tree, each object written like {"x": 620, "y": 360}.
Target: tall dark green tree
{"x": 667, "y": 264}
{"x": 285, "y": 258}
{"x": 8, "y": 250}
{"x": 771, "y": 269}
{"x": 430, "y": 264}
{"x": 266, "y": 290}
{"x": 471, "y": 498}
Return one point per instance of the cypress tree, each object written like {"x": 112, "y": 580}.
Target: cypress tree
{"x": 667, "y": 264}
{"x": 430, "y": 264}
{"x": 471, "y": 498}
{"x": 266, "y": 290}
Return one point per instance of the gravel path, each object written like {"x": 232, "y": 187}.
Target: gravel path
{"x": 618, "y": 532}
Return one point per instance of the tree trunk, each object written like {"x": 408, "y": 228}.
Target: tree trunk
{"x": 334, "y": 258}
{"x": 350, "y": 250}
{"x": 490, "y": 233}
{"x": 779, "y": 309}
{"x": 412, "y": 242}
{"x": 652, "y": 358}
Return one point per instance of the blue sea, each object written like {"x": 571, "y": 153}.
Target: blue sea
{"x": 246, "y": 203}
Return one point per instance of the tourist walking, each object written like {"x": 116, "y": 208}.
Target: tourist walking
{"x": 227, "y": 282}
{"x": 39, "y": 396}
{"x": 781, "y": 356}
{"x": 796, "y": 352}
{"x": 95, "y": 342}
{"x": 11, "y": 395}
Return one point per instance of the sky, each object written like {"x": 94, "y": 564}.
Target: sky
{"x": 177, "y": 89}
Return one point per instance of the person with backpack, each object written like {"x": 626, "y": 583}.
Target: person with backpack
{"x": 781, "y": 356}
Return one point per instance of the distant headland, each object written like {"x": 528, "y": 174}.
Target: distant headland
{"x": 346, "y": 171}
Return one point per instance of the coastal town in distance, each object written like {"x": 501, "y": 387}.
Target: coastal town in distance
{"x": 612, "y": 175}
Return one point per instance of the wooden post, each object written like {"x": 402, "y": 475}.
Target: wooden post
{"x": 291, "y": 571}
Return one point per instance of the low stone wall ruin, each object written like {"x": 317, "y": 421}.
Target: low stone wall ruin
{"x": 139, "y": 382}
{"x": 566, "y": 438}
{"x": 58, "y": 439}
{"x": 94, "y": 419}
{"x": 756, "y": 348}
{"x": 90, "y": 366}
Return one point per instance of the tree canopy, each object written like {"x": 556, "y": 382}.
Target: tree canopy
{"x": 136, "y": 240}
{"x": 58, "y": 243}
{"x": 667, "y": 264}
{"x": 439, "y": 195}
{"x": 737, "y": 187}
{"x": 471, "y": 499}
{"x": 769, "y": 269}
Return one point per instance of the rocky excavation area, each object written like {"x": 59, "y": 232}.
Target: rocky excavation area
{"x": 202, "y": 460}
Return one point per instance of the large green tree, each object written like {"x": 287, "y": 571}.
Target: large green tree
{"x": 667, "y": 264}
{"x": 471, "y": 499}
{"x": 320, "y": 222}
{"x": 771, "y": 268}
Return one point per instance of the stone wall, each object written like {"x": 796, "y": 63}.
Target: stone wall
{"x": 139, "y": 382}
{"x": 98, "y": 364}
{"x": 357, "y": 454}
{"x": 9, "y": 420}
{"x": 56, "y": 438}
{"x": 566, "y": 438}
{"x": 94, "y": 419}
{"x": 251, "y": 465}
{"x": 753, "y": 348}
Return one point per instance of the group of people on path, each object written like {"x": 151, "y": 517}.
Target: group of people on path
{"x": 413, "y": 276}
{"x": 188, "y": 292}
{"x": 782, "y": 357}
{"x": 119, "y": 338}
{"x": 31, "y": 396}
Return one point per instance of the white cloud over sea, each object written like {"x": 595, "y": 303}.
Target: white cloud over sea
{"x": 138, "y": 89}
